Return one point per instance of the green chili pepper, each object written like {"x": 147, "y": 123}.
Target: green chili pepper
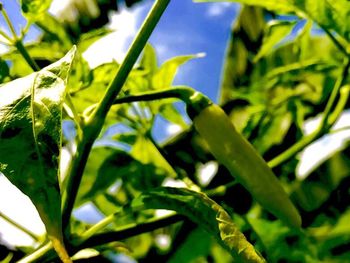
{"x": 233, "y": 151}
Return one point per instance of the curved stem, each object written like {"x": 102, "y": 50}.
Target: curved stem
{"x": 328, "y": 119}
{"x": 43, "y": 253}
{"x": 22, "y": 228}
{"x": 133, "y": 53}
{"x": 131, "y": 230}
{"x": 6, "y": 38}
{"x": 95, "y": 121}
{"x": 335, "y": 92}
{"x": 336, "y": 41}
{"x": 19, "y": 45}
{"x": 8, "y": 22}
{"x": 37, "y": 254}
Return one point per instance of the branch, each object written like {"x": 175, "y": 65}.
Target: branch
{"x": 131, "y": 230}
{"x": 95, "y": 121}
{"x": 328, "y": 119}
{"x": 22, "y": 228}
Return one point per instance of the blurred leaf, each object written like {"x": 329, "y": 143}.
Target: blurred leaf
{"x": 164, "y": 76}
{"x": 128, "y": 138}
{"x": 244, "y": 44}
{"x": 101, "y": 75}
{"x": 273, "y": 131}
{"x": 328, "y": 14}
{"x": 87, "y": 39}
{"x": 312, "y": 192}
{"x": 169, "y": 112}
{"x": 4, "y": 70}
{"x": 149, "y": 60}
{"x": 54, "y": 30}
{"x": 276, "y": 31}
{"x": 282, "y": 243}
{"x": 148, "y": 155}
{"x": 30, "y": 133}
{"x": 33, "y": 9}
{"x": 206, "y": 213}
{"x": 96, "y": 159}
{"x": 196, "y": 245}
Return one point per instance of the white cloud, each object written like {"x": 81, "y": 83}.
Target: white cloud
{"x": 115, "y": 45}
{"x": 325, "y": 147}
{"x": 19, "y": 208}
{"x": 218, "y": 9}
{"x": 173, "y": 129}
{"x": 206, "y": 172}
{"x": 58, "y": 6}
{"x": 3, "y": 49}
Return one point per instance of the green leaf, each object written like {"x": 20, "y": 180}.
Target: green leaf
{"x": 273, "y": 131}
{"x": 4, "y": 70}
{"x": 275, "y": 32}
{"x": 96, "y": 158}
{"x": 164, "y": 76}
{"x": 169, "y": 112}
{"x": 87, "y": 39}
{"x": 149, "y": 60}
{"x": 206, "y": 213}
{"x": 148, "y": 155}
{"x": 196, "y": 245}
{"x": 274, "y": 238}
{"x": 34, "y": 9}
{"x": 118, "y": 165}
{"x": 30, "y": 138}
{"x": 101, "y": 77}
{"x": 328, "y": 14}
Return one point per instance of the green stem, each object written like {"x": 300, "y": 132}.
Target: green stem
{"x": 6, "y": 37}
{"x": 336, "y": 41}
{"x": 328, "y": 119}
{"x": 131, "y": 230}
{"x": 335, "y": 92}
{"x": 344, "y": 96}
{"x": 22, "y": 228}
{"x": 19, "y": 45}
{"x": 180, "y": 173}
{"x": 9, "y": 23}
{"x": 133, "y": 53}
{"x": 95, "y": 121}
{"x": 37, "y": 254}
{"x": 43, "y": 254}
{"x": 180, "y": 92}
{"x": 221, "y": 189}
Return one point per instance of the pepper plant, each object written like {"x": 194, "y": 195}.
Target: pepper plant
{"x": 252, "y": 211}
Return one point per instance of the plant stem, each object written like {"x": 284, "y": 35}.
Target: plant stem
{"x": 221, "y": 189}
{"x": 37, "y": 254}
{"x": 22, "y": 228}
{"x": 131, "y": 230}
{"x": 8, "y": 22}
{"x": 94, "y": 122}
{"x": 180, "y": 92}
{"x": 6, "y": 37}
{"x": 17, "y": 42}
{"x": 19, "y": 45}
{"x": 43, "y": 254}
{"x": 133, "y": 53}
{"x": 335, "y": 91}
{"x": 326, "y": 123}
{"x": 336, "y": 41}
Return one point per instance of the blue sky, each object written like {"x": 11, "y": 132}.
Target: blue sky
{"x": 185, "y": 28}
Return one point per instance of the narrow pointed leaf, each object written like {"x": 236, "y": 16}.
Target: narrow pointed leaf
{"x": 328, "y": 14}
{"x": 205, "y": 212}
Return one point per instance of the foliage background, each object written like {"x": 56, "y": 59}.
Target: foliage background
{"x": 281, "y": 67}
